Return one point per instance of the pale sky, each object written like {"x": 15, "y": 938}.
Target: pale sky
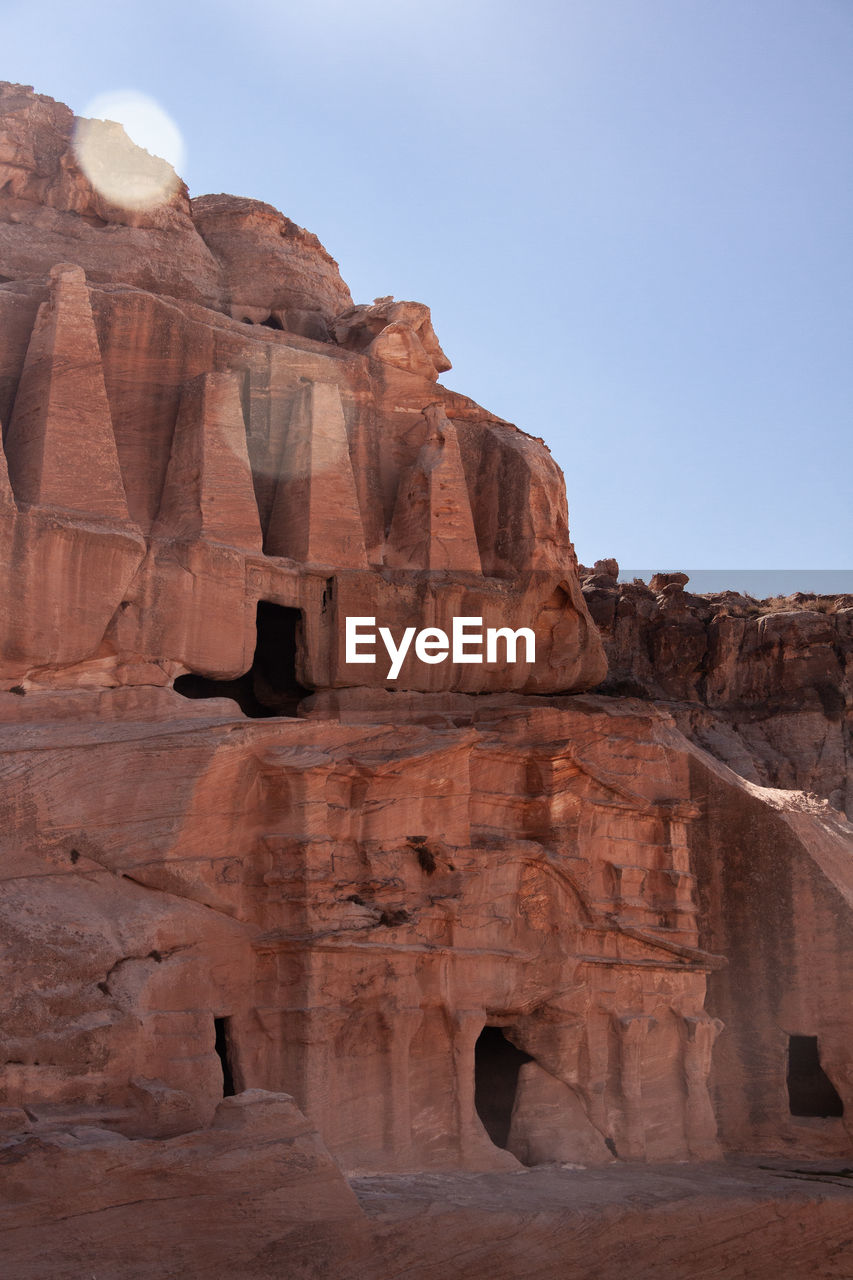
{"x": 633, "y": 221}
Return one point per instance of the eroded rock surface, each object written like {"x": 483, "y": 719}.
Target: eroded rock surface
{"x": 765, "y": 685}
{"x": 318, "y": 443}
{"x": 270, "y": 916}
{"x": 254, "y": 1194}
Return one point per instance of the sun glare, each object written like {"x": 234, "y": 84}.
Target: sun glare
{"x": 135, "y": 166}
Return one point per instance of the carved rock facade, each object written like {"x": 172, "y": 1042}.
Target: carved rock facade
{"x": 461, "y": 932}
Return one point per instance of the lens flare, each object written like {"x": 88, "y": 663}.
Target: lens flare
{"x": 130, "y": 149}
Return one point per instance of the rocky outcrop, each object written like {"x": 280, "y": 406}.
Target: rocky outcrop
{"x": 253, "y": 1194}
{"x": 274, "y": 914}
{"x": 764, "y": 685}
{"x": 52, "y": 213}
{"x": 399, "y": 333}
{"x": 274, "y": 272}
{"x": 201, "y": 428}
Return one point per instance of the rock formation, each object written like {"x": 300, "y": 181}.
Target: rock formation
{"x": 271, "y": 917}
{"x": 767, "y": 686}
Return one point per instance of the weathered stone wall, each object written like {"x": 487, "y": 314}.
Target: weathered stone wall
{"x": 775, "y": 895}
{"x": 359, "y": 901}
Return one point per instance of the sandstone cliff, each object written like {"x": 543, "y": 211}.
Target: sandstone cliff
{"x": 764, "y": 685}
{"x": 277, "y": 926}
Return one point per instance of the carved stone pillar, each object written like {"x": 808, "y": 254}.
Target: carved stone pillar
{"x": 403, "y": 1025}
{"x": 317, "y": 1031}
{"x": 466, "y": 1026}
{"x": 633, "y": 1029}
{"x": 594, "y": 1086}
{"x": 698, "y": 1033}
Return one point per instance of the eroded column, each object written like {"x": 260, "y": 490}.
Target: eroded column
{"x": 697, "y": 1042}
{"x": 633, "y": 1030}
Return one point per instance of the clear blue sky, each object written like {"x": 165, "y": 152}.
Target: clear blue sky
{"x": 633, "y": 221}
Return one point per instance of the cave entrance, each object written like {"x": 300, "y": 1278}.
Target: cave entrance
{"x": 810, "y": 1090}
{"x": 496, "y": 1067}
{"x": 269, "y": 687}
{"x": 222, "y": 1045}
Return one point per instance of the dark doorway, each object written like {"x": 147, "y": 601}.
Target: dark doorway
{"x": 810, "y": 1090}
{"x": 496, "y": 1067}
{"x": 269, "y": 687}
{"x": 222, "y": 1045}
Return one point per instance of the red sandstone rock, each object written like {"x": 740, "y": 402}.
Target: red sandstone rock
{"x": 205, "y": 902}
{"x": 398, "y": 333}
{"x": 208, "y": 494}
{"x": 765, "y": 686}
{"x": 676, "y": 1222}
{"x": 61, "y": 424}
{"x": 52, "y": 213}
{"x": 460, "y": 932}
{"x": 286, "y": 865}
{"x": 272, "y": 268}
{"x": 255, "y": 1194}
{"x": 316, "y": 479}
{"x": 327, "y": 438}
{"x": 432, "y": 525}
